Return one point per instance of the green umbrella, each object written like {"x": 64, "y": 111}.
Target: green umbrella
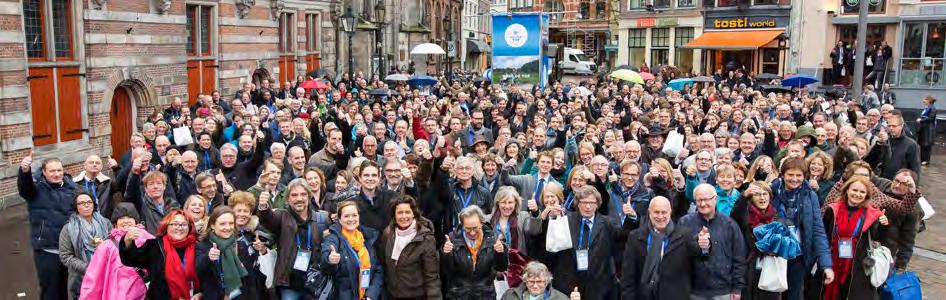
{"x": 628, "y": 75}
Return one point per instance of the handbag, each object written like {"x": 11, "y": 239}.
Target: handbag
{"x": 774, "y": 276}
{"x": 901, "y": 286}
{"x": 558, "y": 236}
{"x": 878, "y": 262}
{"x": 182, "y": 136}
{"x": 319, "y": 283}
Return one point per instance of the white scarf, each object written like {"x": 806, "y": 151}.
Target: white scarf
{"x": 402, "y": 238}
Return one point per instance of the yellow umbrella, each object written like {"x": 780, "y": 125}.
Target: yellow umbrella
{"x": 628, "y": 75}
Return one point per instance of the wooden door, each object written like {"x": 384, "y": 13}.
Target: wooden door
{"x": 193, "y": 81}
{"x": 120, "y": 116}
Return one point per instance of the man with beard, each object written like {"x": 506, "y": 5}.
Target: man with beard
{"x": 658, "y": 257}
{"x": 241, "y": 173}
{"x": 332, "y": 157}
{"x": 398, "y": 178}
{"x": 475, "y": 129}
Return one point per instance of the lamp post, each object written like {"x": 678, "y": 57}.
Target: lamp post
{"x": 449, "y": 22}
{"x": 379, "y": 11}
{"x": 348, "y": 22}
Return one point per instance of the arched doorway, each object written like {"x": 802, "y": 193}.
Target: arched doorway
{"x": 120, "y": 117}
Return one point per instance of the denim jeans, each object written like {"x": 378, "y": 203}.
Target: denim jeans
{"x": 290, "y": 294}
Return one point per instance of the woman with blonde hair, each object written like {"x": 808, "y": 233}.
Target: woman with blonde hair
{"x": 762, "y": 169}
{"x": 662, "y": 179}
{"x": 820, "y": 173}
{"x": 850, "y": 224}
{"x": 195, "y": 209}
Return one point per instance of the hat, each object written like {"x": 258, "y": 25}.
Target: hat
{"x": 125, "y": 209}
{"x": 480, "y": 139}
{"x": 656, "y": 129}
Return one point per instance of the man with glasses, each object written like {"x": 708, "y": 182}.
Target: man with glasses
{"x": 269, "y": 182}
{"x": 399, "y": 179}
{"x": 720, "y": 275}
{"x": 700, "y": 172}
{"x": 461, "y": 191}
{"x": 241, "y": 174}
{"x": 896, "y": 151}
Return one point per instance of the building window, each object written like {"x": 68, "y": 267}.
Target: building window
{"x": 520, "y": 4}
{"x": 54, "y": 80}
{"x": 584, "y": 10}
{"x": 770, "y": 60}
{"x": 873, "y": 6}
{"x": 601, "y": 9}
{"x": 313, "y": 27}
{"x": 924, "y": 54}
{"x": 686, "y": 3}
{"x": 201, "y": 65}
{"x": 287, "y": 47}
{"x": 659, "y": 46}
{"x": 636, "y": 4}
{"x": 683, "y": 57}
{"x": 661, "y": 3}
{"x": 765, "y": 2}
{"x": 848, "y": 33}
{"x": 637, "y": 42}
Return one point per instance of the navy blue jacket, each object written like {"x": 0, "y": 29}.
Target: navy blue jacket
{"x": 723, "y": 271}
{"x": 814, "y": 242}
{"x": 348, "y": 270}
{"x": 49, "y": 207}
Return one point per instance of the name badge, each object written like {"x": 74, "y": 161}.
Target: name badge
{"x": 582, "y": 259}
{"x": 365, "y": 278}
{"x": 302, "y": 261}
{"x": 845, "y": 248}
{"x": 234, "y": 294}
{"x": 758, "y": 263}
{"x": 795, "y": 232}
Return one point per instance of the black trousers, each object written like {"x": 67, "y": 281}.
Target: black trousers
{"x": 52, "y": 274}
{"x": 925, "y": 152}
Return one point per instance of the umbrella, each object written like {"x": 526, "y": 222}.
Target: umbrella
{"x": 799, "y": 80}
{"x": 625, "y": 67}
{"x": 647, "y": 76}
{"x": 768, "y": 76}
{"x": 396, "y": 77}
{"x": 379, "y": 92}
{"x": 677, "y": 84}
{"x": 775, "y": 88}
{"x": 427, "y": 48}
{"x": 318, "y": 73}
{"x": 417, "y": 80}
{"x": 314, "y": 84}
{"x": 703, "y": 79}
{"x": 581, "y": 91}
{"x": 628, "y": 75}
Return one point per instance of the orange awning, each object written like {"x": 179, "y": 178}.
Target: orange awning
{"x": 734, "y": 39}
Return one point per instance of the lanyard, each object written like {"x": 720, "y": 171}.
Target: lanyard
{"x": 355, "y": 254}
{"x": 506, "y": 232}
{"x": 569, "y": 200}
{"x": 308, "y": 245}
{"x": 209, "y": 206}
{"x": 622, "y": 196}
{"x": 857, "y": 227}
{"x": 92, "y": 191}
{"x": 469, "y": 136}
{"x": 581, "y": 233}
{"x": 470, "y": 243}
{"x": 465, "y": 201}
{"x": 662, "y": 247}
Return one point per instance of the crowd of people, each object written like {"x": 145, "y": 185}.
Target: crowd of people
{"x": 600, "y": 189}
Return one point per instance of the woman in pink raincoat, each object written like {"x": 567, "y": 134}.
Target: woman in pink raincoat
{"x": 106, "y": 277}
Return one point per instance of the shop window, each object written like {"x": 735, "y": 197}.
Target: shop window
{"x": 54, "y": 77}
{"x": 770, "y": 60}
{"x": 683, "y": 57}
{"x": 766, "y": 2}
{"x": 873, "y": 6}
{"x": 924, "y": 55}
{"x": 287, "y": 47}
{"x": 201, "y": 63}
{"x": 636, "y": 4}
{"x": 848, "y": 33}
{"x": 660, "y": 46}
{"x": 661, "y": 3}
{"x": 637, "y": 43}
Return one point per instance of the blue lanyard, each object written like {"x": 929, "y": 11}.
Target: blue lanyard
{"x": 223, "y": 283}
{"x": 662, "y": 247}
{"x": 544, "y": 297}
{"x": 465, "y": 201}
{"x": 505, "y": 233}
{"x": 469, "y": 136}
{"x": 569, "y": 200}
{"x": 622, "y": 196}
{"x": 209, "y": 207}
{"x": 857, "y": 227}
{"x": 92, "y": 191}
{"x": 581, "y": 234}
{"x": 206, "y": 160}
{"x": 355, "y": 254}
{"x": 308, "y": 245}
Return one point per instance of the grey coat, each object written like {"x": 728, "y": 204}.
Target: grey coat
{"x": 525, "y": 184}
{"x": 76, "y": 260}
{"x": 526, "y": 226}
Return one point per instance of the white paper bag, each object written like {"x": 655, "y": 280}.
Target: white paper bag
{"x": 774, "y": 277}
{"x": 182, "y": 136}
{"x": 267, "y": 265}
{"x": 928, "y": 211}
{"x": 673, "y": 144}
{"x": 559, "y": 237}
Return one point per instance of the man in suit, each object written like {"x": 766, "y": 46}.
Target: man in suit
{"x": 839, "y": 59}
{"x": 530, "y": 185}
{"x": 589, "y": 265}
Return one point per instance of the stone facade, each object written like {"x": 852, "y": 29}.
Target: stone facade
{"x": 139, "y": 48}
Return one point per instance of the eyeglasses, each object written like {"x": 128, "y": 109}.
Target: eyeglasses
{"x": 178, "y": 225}
{"x": 704, "y": 159}
{"x": 85, "y": 203}
{"x": 705, "y": 199}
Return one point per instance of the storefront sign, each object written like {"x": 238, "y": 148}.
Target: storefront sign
{"x": 652, "y": 22}
{"x": 745, "y": 22}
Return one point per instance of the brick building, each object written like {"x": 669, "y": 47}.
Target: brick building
{"x": 580, "y": 24}
{"x": 78, "y": 77}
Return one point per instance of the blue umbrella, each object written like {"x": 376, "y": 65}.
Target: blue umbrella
{"x": 798, "y": 80}
{"x": 677, "y": 84}
{"x": 488, "y": 74}
{"x": 776, "y": 238}
{"x": 419, "y": 80}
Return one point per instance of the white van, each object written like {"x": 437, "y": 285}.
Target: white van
{"x": 574, "y": 61}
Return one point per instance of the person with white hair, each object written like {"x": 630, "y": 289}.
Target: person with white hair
{"x": 471, "y": 255}
{"x": 536, "y": 279}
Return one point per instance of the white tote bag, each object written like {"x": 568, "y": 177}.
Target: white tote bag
{"x": 182, "y": 136}
{"x": 882, "y": 262}
{"x": 928, "y": 211}
{"x": 267, "y": 265}
{"x": 500, "y": 286}
{"x": 774, "y": 277}
{"x": 673, "y": 144}
{"x": 559, "y": 237}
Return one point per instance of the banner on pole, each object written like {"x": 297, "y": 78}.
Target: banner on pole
{"x": 519, "y": 45}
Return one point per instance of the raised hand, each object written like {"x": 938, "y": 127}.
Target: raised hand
{"x": 264, "y": 200}
{"x": 448, "y": 245}
{"x": 131, "y": 234}
{"x": 704, "y": 238}
{"x": 27, "y": 162}
{"x": 575, "y": 295}
{"x": 628, "y": 210}
{"x": 214, "y": 253}
{"x": 532, "y": 205}
{"x": 334, "y": 257}
{"x": 499, "y": 247}
{"x": 883, "y": 218}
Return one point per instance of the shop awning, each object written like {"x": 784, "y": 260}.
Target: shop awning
{"x": 734, "y": 39}
{"x": 476, "y": 46}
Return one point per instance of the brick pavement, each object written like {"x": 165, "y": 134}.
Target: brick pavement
{"x": 930, "y": 265}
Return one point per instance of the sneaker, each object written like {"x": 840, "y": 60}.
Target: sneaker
{"x": 925, "y": 163}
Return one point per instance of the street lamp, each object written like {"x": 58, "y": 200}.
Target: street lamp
{"x": 379, "y": 36}
{"x": 449, "y": 22}
{"x": 348, "y": 22}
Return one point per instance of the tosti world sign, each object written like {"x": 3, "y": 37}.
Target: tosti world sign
{"x": 746, "y": 22}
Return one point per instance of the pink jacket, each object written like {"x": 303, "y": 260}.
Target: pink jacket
{"x": 107, "y": 278}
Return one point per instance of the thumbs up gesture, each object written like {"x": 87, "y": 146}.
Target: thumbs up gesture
{"x": 883, "y": 218}
{"x": 613, "y": 177}
{"x": 27, "y": 162}
{"x": 628, "y": 210}
{"x": 575, "y": 295}
{"x": 448, "y": 245}
{"x": 532, "y": 205}
{"x": 498, "y": 246}
{"x": 214, "y": 253}
{"x": 704, "y": 238}
{"x": 264, "y": 200}
{"x": 258, "y": 245}
{"x": 334, "y": 257}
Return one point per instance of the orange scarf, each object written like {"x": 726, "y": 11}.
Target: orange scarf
{"x": 357, "y": 242}
{"x": 474, "y": 250}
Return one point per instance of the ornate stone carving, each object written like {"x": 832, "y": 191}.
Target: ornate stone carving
{"x": 243, "y": 7}
{"x": 276, "y": 6}
{"x": 163, "y": 6}
{"x": 97, "y": 4}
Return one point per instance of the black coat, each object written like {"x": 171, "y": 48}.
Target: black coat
{"x": 674, "y": 269}
{"x": 598, "y": 281}
{"x": 209, "y": 273}
{"x": 896, "y": 154}
{"x": 466, "y": 280}
{"x": 150, "y": 257}
{"x": 375, "y": 214}
{"x": 926, "y": 128}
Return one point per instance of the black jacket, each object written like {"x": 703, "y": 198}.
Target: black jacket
{"x": 466, "y": 280}
{"x": 896, "y": 154}
{"x": 598, "y": 281}
{"x": 209, "y": 273}
{"x": 49, "y": 206}
{"x": 150, "y": 257}
{"x": 375, "y": 213}
{"x": 674, "y": 270}
{"x": 723, "y": 270}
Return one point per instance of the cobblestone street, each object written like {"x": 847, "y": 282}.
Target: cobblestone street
{"x": 929, "y": 257}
